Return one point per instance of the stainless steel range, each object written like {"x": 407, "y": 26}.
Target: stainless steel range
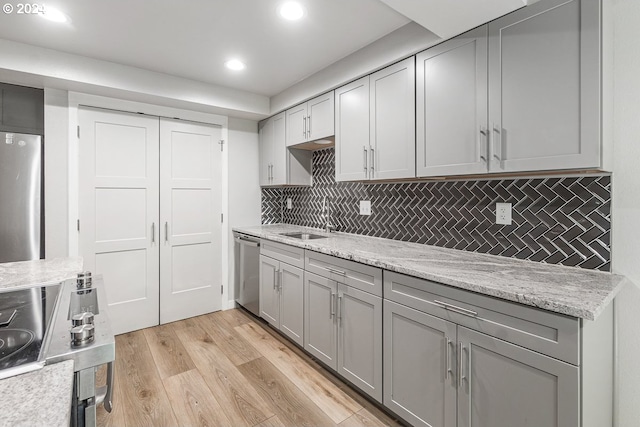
{"x": 81, "y": 332}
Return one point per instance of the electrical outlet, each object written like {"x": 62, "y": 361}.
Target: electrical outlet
{"x": 503, "y": 213}
{"x": 365, "y": 207}
{"x": 289, "y": 204}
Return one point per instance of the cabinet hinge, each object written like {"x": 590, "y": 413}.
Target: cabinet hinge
{"x": 78, "y": 131}
{"x": 221, "y": 144}
{"x": 221, "y": 289}
{"x": 221, "y": 217}
{"x": 78, "y": 225}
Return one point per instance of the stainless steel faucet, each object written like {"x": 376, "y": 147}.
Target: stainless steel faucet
{"x": 326, "y": 213}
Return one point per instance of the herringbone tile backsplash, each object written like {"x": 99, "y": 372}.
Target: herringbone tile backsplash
{"x": 555, "y": 220}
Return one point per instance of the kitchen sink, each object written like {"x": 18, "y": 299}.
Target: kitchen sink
{"x": 303, "y": 236}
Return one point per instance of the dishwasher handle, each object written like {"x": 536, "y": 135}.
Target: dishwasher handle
{"x": 252, "y": 243}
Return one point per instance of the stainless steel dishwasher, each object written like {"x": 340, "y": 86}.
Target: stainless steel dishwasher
{"x": 247, "y": 272}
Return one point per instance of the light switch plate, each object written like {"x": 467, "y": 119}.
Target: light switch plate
{"x": 365, "y": 207}
{"x": 289, "y": 204}
{"x": 503, "y": 213}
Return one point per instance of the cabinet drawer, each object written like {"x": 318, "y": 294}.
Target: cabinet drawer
{"x": 360, "y": 276}
{"x": 285, "y": 253}
{"x": 548, "y": 333}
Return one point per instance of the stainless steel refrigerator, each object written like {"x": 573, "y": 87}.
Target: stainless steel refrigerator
{"x": 20, "y": 197}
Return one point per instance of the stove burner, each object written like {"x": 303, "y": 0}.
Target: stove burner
{"x": 14, "y": 340}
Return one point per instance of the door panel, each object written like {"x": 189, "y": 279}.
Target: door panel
{"x": 119, "y": 159}
{"x": 360, "y": 339}
{"x": 506, "y": 385}
{"x": 279, "y": 151}
{"x": 269, "y": 296}
{"x": 292, "y": 302}
{"x": 266, "y": 151}
{"x": 321, "y": 113}
{"x": 417, "y": 384}
{"x": 190, "y": 208}
{"x": 452, "y": 106}
{"x": 393, "y": 121}
{"x": 352, "y": 131}
{"x": 320, "y": 318}
{"x": 296, "y": 119}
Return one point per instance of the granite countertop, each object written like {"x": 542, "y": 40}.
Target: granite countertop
{"x": 29, "y": 273}
{"x": 38, "y": 398}
{"x": 567, "y": 290}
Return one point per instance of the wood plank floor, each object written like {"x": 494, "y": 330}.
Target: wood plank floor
{"x": 227, "y": 369}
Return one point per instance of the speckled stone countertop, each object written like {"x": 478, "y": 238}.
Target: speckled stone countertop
{"x": 28, "y": 273}
{"x": 567, "y": 290}
{"x": 38, "y": 398}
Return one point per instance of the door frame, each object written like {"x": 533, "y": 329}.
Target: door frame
{"x": 77, "y": 99}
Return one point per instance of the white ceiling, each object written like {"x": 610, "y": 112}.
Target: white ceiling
{"x": 193, "y": 39}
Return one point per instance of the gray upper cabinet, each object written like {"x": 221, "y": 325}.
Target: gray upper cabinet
{"x": 503, "y": 385}
{"x": 419, "y": 366}
{"x": 311, "y": 120}
{"x": 21, "y": 109}
{"x": 451, "y": 106}
{"x": 392, "y": 135}
{"x": 544, "y": 87}
{"x": 352, "y": 131}
{"x": 279, "y": 165}
{"x": 375, "y": 125}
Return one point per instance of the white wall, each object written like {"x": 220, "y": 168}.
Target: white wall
{"x": 626, "y": 203}
{"x": 244, "y": 185}
{"x": 56, "y": 170}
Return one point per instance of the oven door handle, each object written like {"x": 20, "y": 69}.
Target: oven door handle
{"x": 104, "y": 394}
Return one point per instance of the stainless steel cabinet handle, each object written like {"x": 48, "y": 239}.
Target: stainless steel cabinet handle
{"x": 459, "y": 363}
{"x": 483, "y": 144}
{"x": 373, "y": 161}
{"x": 339, "y": 309}
{"x": 447, "y": 358}
{"x": 340, "y": 272}
{"x": 497, "y": 138}
{"x": 304, "y": 127}
{"x": 153, "y": 232}
{"x": 309, "y": 123}
{"x": 457, "y": 309}
{"x": 464, "y": 376}
{"x": 166, "y": 231}
{"x": 366, "y": 169}
{"x": 280, "y": 281}
{"x": 332, "y": 305}
{"x": 275, "y": 278}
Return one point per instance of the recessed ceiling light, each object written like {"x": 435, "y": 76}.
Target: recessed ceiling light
{"x": 53, "y": 14}
{"x": 291, "y": 10}
{"x": 235, "y": 65}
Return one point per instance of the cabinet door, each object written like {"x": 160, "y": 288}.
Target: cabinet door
{"x": 352, "y": 131}
{"x": 269, "y": 296}
{"x": 320, "y": 122}
{"x": 360, "y": 339}
{"x": 279, "y": 170}
{"x": 544, "y": 83}
{"x": 393, "y": 122}
{"x": 419, "y": 366}
{"x": 292, "y": 302}
{"x": 296, "y": 125}
{"x": 266, "y": 148}
{"x": 504, "y": 385}
{"x": 21, "y": 109}
{"x": 451, "y": 100}
{"x": 320, "y": 318}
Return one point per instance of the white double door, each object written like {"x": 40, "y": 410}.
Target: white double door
{"x": 150, "y": 215}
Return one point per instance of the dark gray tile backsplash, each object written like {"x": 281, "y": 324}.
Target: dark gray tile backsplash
{"x": 555, "y": 220}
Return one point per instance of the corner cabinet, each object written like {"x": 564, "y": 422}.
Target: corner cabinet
{"x": 278, "y": 164}
{"x": 375, "y": 125}
{"x": 451, "y": 106}
{"x": 544, "y": 87}
{"x": 311, "y": 120}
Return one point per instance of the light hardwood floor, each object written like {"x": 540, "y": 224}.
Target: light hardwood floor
{"x": 227, "y": 369}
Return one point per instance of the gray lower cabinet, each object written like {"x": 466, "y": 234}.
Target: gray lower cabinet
{"x": 281, "y": 297}
{"x": 419, "y": 366}
{"x": 343, "y": 329}
{"x": 504, "y": 385}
